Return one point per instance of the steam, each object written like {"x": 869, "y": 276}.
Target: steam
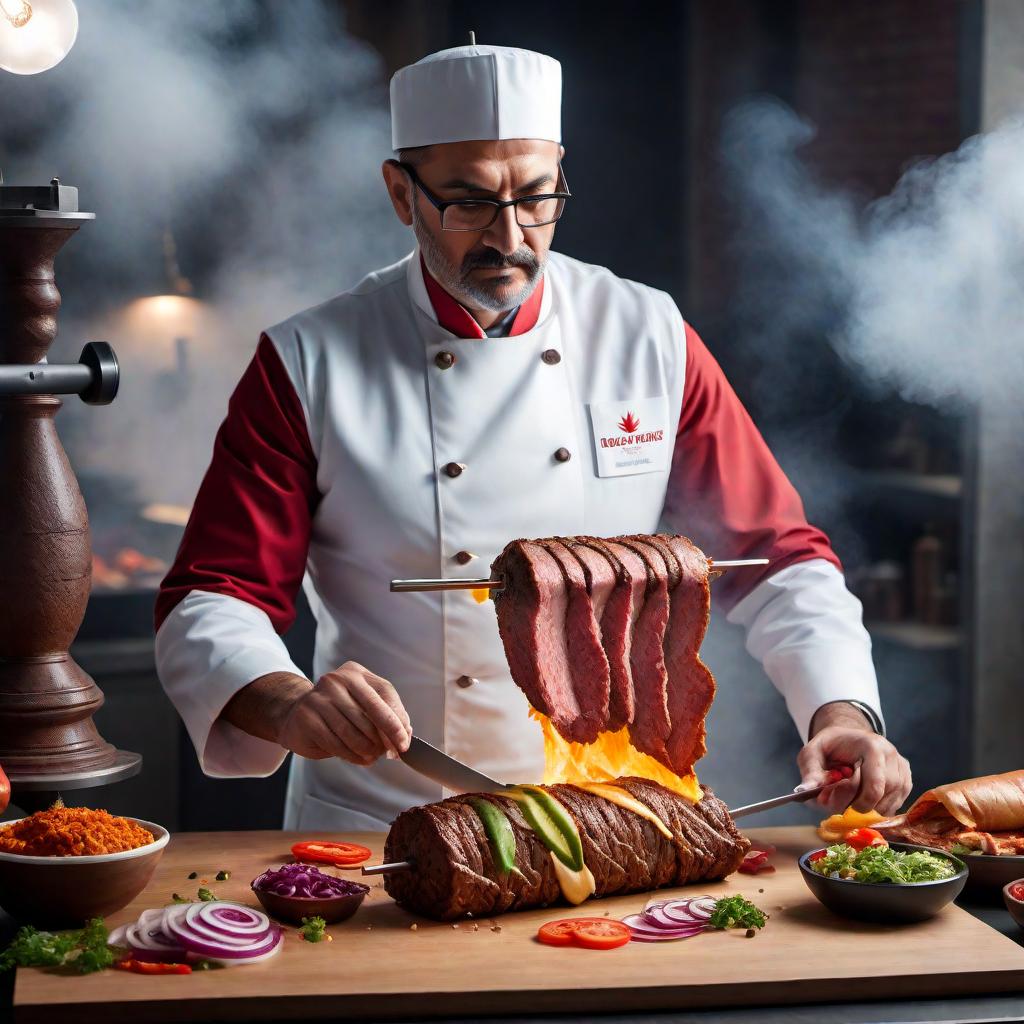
{"x": 921, "y": 292}
{"x": 254, "y": 133}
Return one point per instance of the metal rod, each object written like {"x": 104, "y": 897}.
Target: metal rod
{"x": 389, "y": 869}
{"x": 403, "y": 586}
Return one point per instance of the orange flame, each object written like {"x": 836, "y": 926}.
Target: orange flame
{"x": 629, "y": 423}
{"x": 609, "y": 757}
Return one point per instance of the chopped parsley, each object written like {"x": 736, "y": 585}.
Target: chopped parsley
{"x": 736, "y": 912}
{"x": 313, "y": 929}
{"x": 84, "y": 950}
{"x": 882, "y": 864}
{"x": 206, "y": 896}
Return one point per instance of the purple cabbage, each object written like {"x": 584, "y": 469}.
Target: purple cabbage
{"x": 305, "y": 882}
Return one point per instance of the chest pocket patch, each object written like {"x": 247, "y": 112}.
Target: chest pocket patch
{"x": 631, "y": 436}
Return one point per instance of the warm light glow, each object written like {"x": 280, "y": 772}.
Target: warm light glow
{"x": 170, "y": 515}
{"x": 147, "y": 329}
{"x": 609, "y": 757}
{"x": 36, "y": 35}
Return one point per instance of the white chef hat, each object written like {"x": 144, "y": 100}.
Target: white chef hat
{"x": 476, "y": 92}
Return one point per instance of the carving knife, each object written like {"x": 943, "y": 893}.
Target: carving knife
{"x": 451, "y": 773}
{"x": 799, "y": 795}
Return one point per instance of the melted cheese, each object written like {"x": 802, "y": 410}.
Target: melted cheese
{"x": 616, "y": 795}
{"x": 576, "y": 886}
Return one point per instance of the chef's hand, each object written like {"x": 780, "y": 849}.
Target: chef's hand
{"x": 841, "y": 735}
{"x": 350, "y": 713}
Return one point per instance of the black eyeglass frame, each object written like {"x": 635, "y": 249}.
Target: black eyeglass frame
{"x": 498, "y": 204}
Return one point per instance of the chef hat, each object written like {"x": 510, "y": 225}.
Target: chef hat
{"x": 476, "y": 92}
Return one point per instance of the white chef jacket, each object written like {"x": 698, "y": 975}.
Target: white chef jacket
{"x": 369, "y": 441}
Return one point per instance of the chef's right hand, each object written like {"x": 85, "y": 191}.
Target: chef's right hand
{"x": 350, "y": 713}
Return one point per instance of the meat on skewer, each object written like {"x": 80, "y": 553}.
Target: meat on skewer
{"x": 454, "y": 872}
{"x": 616, "y": 646}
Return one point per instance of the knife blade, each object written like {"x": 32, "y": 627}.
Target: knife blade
{"x": 448, "y": 771}
{"x": 797, "y": 796}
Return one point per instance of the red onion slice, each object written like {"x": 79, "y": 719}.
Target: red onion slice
{"x": 232, "y": 919}
{"x": 642, "y": 929}
{"x": 118, "y": 937}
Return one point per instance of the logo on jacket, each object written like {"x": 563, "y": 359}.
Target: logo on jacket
{"x": 629, "y": 424}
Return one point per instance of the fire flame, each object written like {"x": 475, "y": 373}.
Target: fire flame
{"x": 629, "y": 423}
{"x": 610, "y": 756}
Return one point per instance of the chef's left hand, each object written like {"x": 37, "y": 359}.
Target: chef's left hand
{"x": 841, "y": 735}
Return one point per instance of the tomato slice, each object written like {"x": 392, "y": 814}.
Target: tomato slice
{"x": 323, "y": 852}
{"x": 558, "y": 933}
{"x": 588, "y": 932}
{"x": 817, "y": 855}
{"x": 860, "y": 838}
{"x": 601, "y": 933}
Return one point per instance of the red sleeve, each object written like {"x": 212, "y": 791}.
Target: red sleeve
{"x": 726, "y": 491}
{"x": 248, "y": 534}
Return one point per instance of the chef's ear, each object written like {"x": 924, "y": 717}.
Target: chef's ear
{"x": 400, "y": 190}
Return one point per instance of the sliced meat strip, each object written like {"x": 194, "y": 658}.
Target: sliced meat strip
{"x": 588, "y": 664}
{"x": 651, "y": 724}
{"x": 633, "y": 574}
{"x": 531, "y": 609}
{"x": 691, "y": 686}
{"x": 611, "y": 592}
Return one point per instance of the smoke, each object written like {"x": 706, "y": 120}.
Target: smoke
{"x": 253, "y": 133}
{"x": 920, "y": 292}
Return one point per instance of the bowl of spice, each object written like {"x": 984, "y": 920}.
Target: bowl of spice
{"x": 62, "y": 866}
{"x": 297, "y": 891}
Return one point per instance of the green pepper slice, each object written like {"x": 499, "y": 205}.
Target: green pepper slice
{"x": 499, "y": 832}
{"x": 552, "y": 823}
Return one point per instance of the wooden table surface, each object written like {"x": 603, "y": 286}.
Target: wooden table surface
{"x": 379, "y": 966}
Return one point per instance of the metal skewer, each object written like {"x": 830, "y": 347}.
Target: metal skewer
{"x": 402, "y": 586}
{"x": 389, "y": 869}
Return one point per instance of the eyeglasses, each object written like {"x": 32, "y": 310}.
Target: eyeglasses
{"x": 480, "y": 214}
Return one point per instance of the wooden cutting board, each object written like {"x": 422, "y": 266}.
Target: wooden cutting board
{"x": 379, "y": 966}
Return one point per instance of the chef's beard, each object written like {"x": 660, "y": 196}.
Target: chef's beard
{"x": 459, "y": 283}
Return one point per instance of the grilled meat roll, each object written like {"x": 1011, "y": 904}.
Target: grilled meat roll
{"x": 454, "y": 871}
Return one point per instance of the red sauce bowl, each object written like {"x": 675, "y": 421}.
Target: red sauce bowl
{"x": 1013, "y": 897}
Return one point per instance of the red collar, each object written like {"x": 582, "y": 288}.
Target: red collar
{"x": 454, "y": 317}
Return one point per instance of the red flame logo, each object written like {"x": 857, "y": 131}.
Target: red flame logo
{"x": 629, "y": 424}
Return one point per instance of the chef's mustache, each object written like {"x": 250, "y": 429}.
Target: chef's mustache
{"x": 491, "y": 259}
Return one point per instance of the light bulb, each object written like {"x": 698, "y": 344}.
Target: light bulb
{"x": 36, "y": 34}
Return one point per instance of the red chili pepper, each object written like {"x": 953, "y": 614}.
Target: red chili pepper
{"x": 817, "y": 855}
{"x": 145, "y": 967}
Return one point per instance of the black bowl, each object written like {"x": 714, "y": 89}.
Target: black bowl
{"x": 294, "y": 908}
{"x": 886, "y": 902}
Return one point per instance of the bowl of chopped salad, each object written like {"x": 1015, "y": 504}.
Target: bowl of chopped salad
{"x": 873, "y": 880}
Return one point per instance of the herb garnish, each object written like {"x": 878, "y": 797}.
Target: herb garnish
{"x": 205, "y": 896}
{"x": 85, "y": 950}
{"x": 736, "y": 912}
{"x": 313, "y": 929}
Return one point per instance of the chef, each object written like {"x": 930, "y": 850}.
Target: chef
{"x": 481, "y": 389}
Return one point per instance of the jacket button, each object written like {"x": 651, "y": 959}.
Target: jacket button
{"x": 454, "y": 469}
{"x": 444, "y": 360}
{"x": 551, "y": 356}
{"x": 465, "y": 681}
{"x": 563, "y": 455}
{"x": 464, "y": 557}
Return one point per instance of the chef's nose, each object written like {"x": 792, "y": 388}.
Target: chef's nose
{"x": 505, "y": 234}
